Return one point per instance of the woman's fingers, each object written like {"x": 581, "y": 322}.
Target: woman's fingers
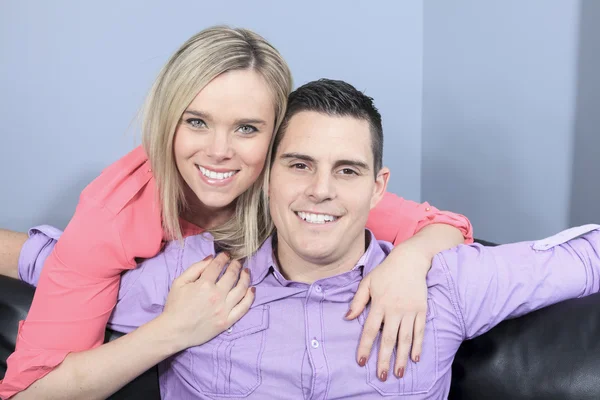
{"x": 230, "y": 277}
{"x": 214, "y": 269}
{"x": 237, "y": 293}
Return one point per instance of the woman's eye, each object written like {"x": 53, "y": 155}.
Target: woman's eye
{"x": 196, "y": 123}
{"x": 247, "y": 129}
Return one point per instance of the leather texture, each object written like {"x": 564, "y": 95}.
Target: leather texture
{"x": 553, "y": 353}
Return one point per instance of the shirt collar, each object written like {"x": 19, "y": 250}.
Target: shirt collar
{"x": 264, "y": 260}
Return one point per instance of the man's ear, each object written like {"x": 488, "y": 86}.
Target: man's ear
{"x": 381, "y": 182}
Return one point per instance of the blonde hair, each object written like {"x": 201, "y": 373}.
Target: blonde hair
{"x": 199, "y": 60}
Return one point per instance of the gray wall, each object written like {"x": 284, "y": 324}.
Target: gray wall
{"x": 499, "y": 93}
{"x": 490, "y": 108}
{"x": 73, "y": 74}
{"x": 585, "y": 190}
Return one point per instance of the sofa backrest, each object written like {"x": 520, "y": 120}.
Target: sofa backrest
{"x": 553, "y": 353}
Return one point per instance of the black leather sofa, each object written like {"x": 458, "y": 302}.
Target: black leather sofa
{"x": 550, "y": 354}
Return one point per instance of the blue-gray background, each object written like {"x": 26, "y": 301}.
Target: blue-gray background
{"x": 490, "y": 108}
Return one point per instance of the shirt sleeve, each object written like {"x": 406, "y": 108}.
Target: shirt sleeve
{"x": 490, "y": 284}
{"x": 143, "y": 291}
{"x": 396, "y": 219}
{"x": 117, "y": 221}
{"x": 35, "y": 251}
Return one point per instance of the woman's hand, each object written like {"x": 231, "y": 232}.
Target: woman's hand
{"x": 398, "y": 292}
{"x": 200, "y": 305}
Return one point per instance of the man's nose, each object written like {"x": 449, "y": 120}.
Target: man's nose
{"x": 321, "y": 187}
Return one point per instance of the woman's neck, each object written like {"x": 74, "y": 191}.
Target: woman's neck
{"x": 206, "y": 217}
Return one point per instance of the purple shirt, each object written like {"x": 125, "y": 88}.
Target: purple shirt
{"x": 294, "y": 343}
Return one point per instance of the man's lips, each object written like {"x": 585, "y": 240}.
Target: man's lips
{"x": 317, "y": 218}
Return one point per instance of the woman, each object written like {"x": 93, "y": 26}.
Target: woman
{"x": 207, "y": 131}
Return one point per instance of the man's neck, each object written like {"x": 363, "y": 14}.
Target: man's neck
{"x": 296, "y": 268}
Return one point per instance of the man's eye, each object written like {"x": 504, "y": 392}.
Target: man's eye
{"x": 299, "y": 166}
{"x": 247, "y": 129}
{"x": 348, "y": 171}
{"x": 196, "y": 122}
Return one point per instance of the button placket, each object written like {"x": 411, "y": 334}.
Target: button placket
{"x": 316, "y": 351}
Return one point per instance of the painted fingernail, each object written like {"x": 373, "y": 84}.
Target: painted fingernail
{"x": 253, "y": 289}
{"x": 400, "y": 372}
{"x": 417, "y": 358}
{"x": 348, "y": 313}
{"x": 383, "y": 376}
{"x": 362, "y": 361}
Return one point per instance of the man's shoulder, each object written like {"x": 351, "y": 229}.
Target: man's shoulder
{"x": 160, "y": 271}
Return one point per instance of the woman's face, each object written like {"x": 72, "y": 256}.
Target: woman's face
{"x": 222, "y": 139}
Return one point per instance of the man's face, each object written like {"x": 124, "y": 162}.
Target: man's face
{"x": 323, "y": 186}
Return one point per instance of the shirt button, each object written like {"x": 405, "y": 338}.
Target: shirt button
{"x": 318, "y": 289}
{"x": 314, "y": 343}
{"x": 230, "y": 330}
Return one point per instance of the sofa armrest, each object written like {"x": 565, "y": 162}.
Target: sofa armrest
{"x": 15, "y": 299}
{"x": 550, "y": 354}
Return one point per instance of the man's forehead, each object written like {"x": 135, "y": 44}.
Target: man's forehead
{"x": 321, "y": 135}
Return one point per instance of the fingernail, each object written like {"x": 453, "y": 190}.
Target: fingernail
{"x": 207, "y": 257}
{"x": 253, "y": 289}
{"x": 362, "y": 361}
{"x": 417, "y": 358}
{"x": 348, "y": 313}
{"x": 226, "y": 254}
{"x": 246, "y": 270}
{"x": 383, "y": 376}
{"x": 400, "y": 372}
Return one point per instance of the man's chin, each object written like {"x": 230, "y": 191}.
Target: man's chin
{"x": 318, "y": 255}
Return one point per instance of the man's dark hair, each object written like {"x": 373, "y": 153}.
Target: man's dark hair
{"x": 335, "y": 98}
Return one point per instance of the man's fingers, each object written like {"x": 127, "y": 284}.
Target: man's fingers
{"x": 194, "y": 271}
{"x": 230, "y": 277}
{"x": 369, "y": 333}
{"x": 240, "y": 290}
{"x": 242, "y": 307}
{"x": 360, "y": 300}
{"x": 419, "y": 334}
{"x": 405, "y": 337}
{"x": 389, "y": 335}
{"x": 215, "y": 268}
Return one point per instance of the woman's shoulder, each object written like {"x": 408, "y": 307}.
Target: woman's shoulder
{"x": 127, "y": 180}
{"x": 118, "y": 214}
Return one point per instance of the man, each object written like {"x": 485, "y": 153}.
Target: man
{"x": 326, "y": 175}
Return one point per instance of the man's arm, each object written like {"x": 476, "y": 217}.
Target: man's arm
{"x": 11, "y": 243}
{"x": 490, "y": 284}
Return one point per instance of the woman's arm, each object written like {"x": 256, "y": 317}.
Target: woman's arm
{"x": 188, "y": 320}
{"x": 11, "y": 243}
{"x": 397, "y": 288}
{"x": 116, "y": 221}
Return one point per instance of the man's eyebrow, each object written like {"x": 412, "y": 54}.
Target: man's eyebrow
{"x": 298, "y": 156}
{"x": 352, "y": 163}
{"x": 241, "y": 121}
{"x": 338, "y": 163}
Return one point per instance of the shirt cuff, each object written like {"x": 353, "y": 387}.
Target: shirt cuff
{"x": 34, "y": 252}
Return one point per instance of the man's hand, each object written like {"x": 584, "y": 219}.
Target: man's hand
{"x": 398, "y": 292}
